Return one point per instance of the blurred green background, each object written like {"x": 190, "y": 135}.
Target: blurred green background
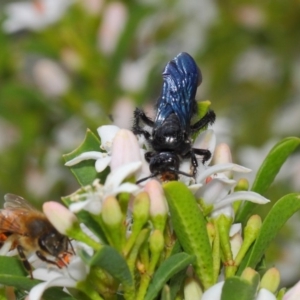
{"x": 68, "y": 65}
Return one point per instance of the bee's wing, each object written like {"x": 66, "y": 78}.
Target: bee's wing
{"x": 12, "y": 221}
{"x": 16, "y": 202}
{"x": 16, "y": 210}
{"x": 181, "y": 78}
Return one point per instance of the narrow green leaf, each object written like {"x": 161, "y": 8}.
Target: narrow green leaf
{"x": 236, "y": 288}
{"x": 113, "y": 263}
{"x": 283, "y": 209}
{"x": 19, "y": 282}
{"x": 176, "y": 283}
{"x": 268, "y": 171}
{"x": 167, "y": 269}
{"x": 85, "y": 171}
{"x": 190, "y": 227}
{"x": 12, "y": 266}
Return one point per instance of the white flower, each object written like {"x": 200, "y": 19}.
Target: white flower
{"x": 66, "y": 277}
{"x": 33, "y": 15}
{"x": 216, "y": 189}
{"x": 205, "y": 140}
{"x": 95, "y": 195}
{"x": 107, "y": 134}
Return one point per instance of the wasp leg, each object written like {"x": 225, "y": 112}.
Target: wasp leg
{"x": 25, "y": 262}
{"x": 209, "y": 118}
{"x": 203, "y": 152}
{"x": 194, "y": 161}
{"x": 43, "y": 258}
{"x": 139, "y": 114}
{"x": 136, "y": 128}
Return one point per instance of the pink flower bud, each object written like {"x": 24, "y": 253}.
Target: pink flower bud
{"x": 293, "y": 293}
{"x": 222, "y": 155}
{"x": 158, "y": 202}
{"x": 59, "y": 216}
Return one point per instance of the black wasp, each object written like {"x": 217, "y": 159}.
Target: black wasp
{"x": 170, "y": 138}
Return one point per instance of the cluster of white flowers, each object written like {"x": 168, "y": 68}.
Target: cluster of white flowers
{"x": 121, "y": 151}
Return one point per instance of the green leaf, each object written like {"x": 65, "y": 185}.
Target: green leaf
{"x": 190, "y": 227}
{"x": 113, "y": 263}
{"x": 85, "y": 171}
{"x": 167, "y": 269}
{"x": 283, "y": 209}
{"x": 268, "y": 171}
{"x": 176, "y": 283}
{"x": 236, "y": 288}
{"x": 12, "y": 266}
{"x": 13, "y": 274}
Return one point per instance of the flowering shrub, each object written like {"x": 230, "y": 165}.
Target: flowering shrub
{"x": 194, "y": 238}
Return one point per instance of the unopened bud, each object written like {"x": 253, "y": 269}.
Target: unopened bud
{"x": 66, "y": 223}
{"x": 158, "y": 204}
{"x": 271, "y": 280}
{"x": 111, "y": 212}
{"x": 60, "y": 217}
{"x": 211, "y": 232}
{"x": 192, "y": 289}
{"x": 251, "y": 232}
{"x": 242, "y": 185}
{"x": 156, "y": 241}
{"x": 236, "y": 239}
{"x": 140, "y": 213}
{"x": 222, "y": 155}
{"x": 252, "y": 228}
{"x": 141, "y": 206}
{"x": 112, "y": 220}
{"x": 249, "y": 274}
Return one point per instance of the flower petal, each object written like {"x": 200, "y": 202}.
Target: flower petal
{"x": 126, "y": 187}
{"x": 264, "y": 294}
{"x": 78, "y": 269}
{"x": 115, "y": 178}
{"x": 85, "y": 156}
{"x": 214, "y": 292}
{"x": 215, "y": 190}
{"x": 235, "y": 228}
{"x": 195, "y": 187}
{"x": 78, "y": 206}
{"x": 226, "y": 211}
{"x": 45, "y": 274}
{"x": 242, "y": 195}
{"x": 37, "y": 292}
{"x": 102, "y": 163}
{"x": 221, "y": 168}
{"x": 107, "y": 133}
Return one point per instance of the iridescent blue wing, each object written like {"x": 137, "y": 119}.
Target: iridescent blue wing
{"x": 181, "y": 78}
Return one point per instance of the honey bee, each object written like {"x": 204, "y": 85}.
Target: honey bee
{"x": 30, "y": 231}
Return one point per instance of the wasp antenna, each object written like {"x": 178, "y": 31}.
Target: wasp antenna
{"x": 145, "y": 178}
